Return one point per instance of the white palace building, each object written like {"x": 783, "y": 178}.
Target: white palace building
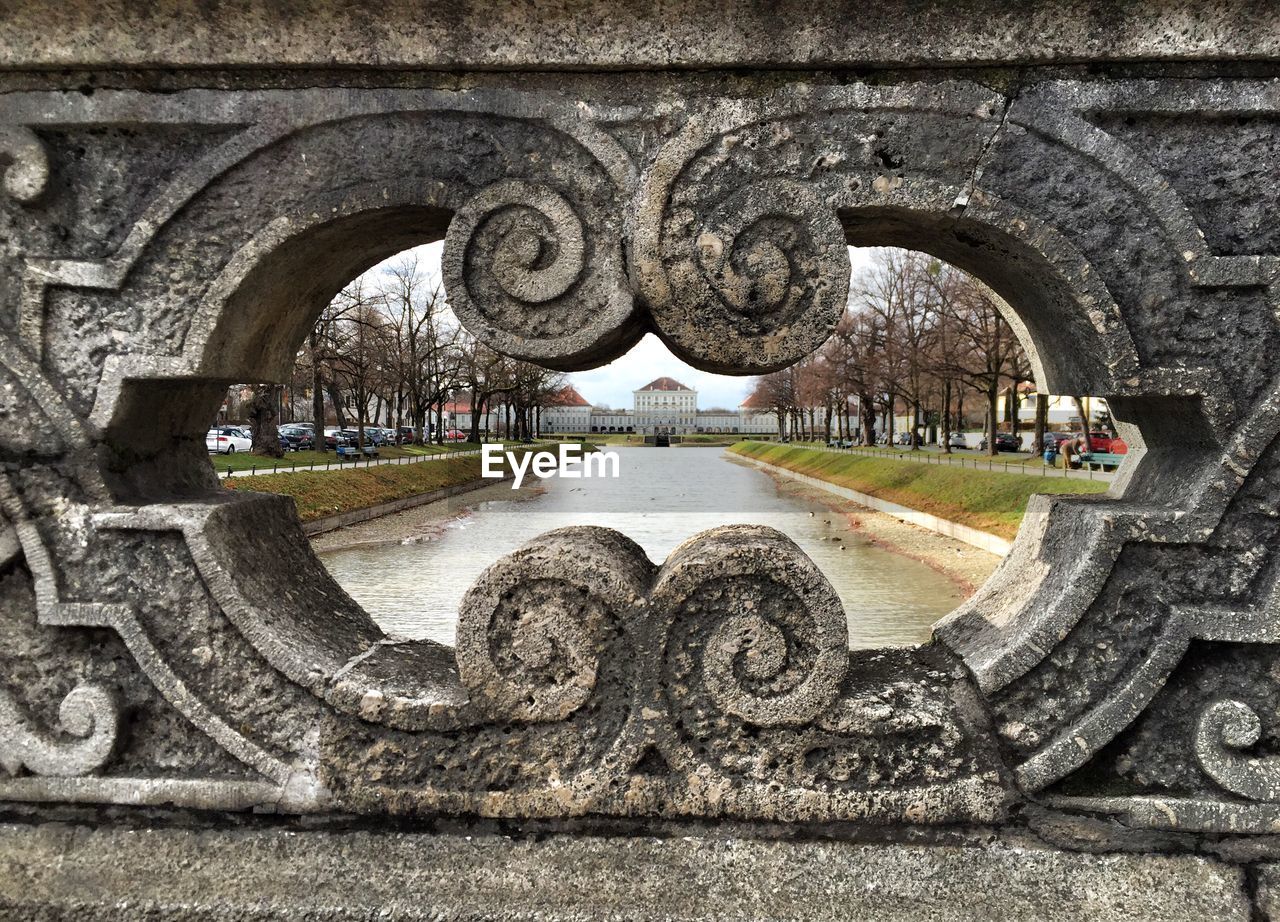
{"x": 664, "y": 405}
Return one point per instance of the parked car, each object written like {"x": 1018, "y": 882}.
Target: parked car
{"x": 285, "y": 444}
{"x": 406, "y": 435}
{"x": 227, "y": 440}
{"x": 957, "y": 440}
{"x": 1106, "y": 443}
{"x": 333, "y": 438}
{"x": 453, "y": 435}
{"x": 372, "y": 437}
{"x": 1005, "y": 441}
{"x": 300, "y": 437}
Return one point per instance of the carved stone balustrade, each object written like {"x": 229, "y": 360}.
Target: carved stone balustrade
{"x": 177, "y": 207}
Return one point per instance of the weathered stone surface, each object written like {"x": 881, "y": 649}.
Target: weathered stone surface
{"x": 167, "y": 229}
{"x": 718, "y": 218}
{"x": 455, "y": 34}
{"x": 1268, "y": 891}
{"x": 62, "y": 873}
{"x": 591, "y": 681}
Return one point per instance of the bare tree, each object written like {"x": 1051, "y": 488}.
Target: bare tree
{"x": 1041, "y": 423}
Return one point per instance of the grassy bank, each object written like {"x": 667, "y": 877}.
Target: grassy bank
{"x": 957, "y": 456}
{"x": 709, "y": 438}
{"x": 244, "y": 461}
{"x": 325, "y": 493}
{"x": 990, "y": 501}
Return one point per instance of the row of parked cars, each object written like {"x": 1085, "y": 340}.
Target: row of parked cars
{"x": 379, "y": 436}
{"x": 227, "y": 440}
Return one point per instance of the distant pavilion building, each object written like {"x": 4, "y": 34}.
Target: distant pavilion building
{"x": 566, "y": 411}
{"x": 756, "y": 417}
{"x": 664, "y": 405}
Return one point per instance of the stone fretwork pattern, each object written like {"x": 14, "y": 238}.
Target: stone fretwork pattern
{"x": 173, "y": 217}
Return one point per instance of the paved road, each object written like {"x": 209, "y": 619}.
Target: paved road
{"x": 971, "y": 460}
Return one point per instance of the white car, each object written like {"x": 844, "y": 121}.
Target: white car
{"x": 226, "y": 440}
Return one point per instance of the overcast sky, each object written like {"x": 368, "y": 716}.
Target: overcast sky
{"x": 612, "y": 384}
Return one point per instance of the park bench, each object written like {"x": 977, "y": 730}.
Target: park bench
{"x": 1101, "y": 461}
{"x": 352, "y": 451}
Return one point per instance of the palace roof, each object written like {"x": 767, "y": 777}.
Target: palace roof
{"x": 568, "y": 396}
{"x": 665, "y": 384}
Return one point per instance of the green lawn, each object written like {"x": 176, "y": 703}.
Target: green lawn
{"x": 709, "y": 438}
{"x": 956, "y": 456}
{"x": 599, "y": 438}
{"x": 243, "y": 460}
{"x": 321, "y": 493}
{"x": 988, "y": 500}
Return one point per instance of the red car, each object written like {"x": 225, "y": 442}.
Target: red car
{"x": 1105, "y": 443}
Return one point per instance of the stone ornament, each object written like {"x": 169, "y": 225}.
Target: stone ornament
{"x": 158, "y": 244}
{"x": 1225, "y": 732}
{"x": 516, "y": 256}
{"x": 532, "y": 629}
{"x": 778, "y": 648}
{"x": 89, "y": 714}
{"x": 763, "y": 281}
{"x": 27, "y": 171}
{"x": 753, "y": 643}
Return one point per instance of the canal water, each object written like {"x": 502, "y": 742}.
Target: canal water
{"x": 411, "y": 574}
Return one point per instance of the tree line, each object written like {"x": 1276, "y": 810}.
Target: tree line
{"x": 387, "y": 351}
{"x": 919, "y": 338}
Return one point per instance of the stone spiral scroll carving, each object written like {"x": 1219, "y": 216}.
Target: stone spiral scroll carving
{"x": 532, "y": 630}
{"x": 27, "y": 172}
{"x": 1224, "y": 730}
{"x": 89, "y": 714}
{"x": 770, "y": 630}
{"x": 527, "y": 273}
{"x": 532, "y": 236}
{"x": 748, "y": 284}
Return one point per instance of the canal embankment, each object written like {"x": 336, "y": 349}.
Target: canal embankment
{"x": 411, "y": 570}
{"x": 331, "y": 499}
{"x": 949, "y": 500}
{"x": 965, "y": 566}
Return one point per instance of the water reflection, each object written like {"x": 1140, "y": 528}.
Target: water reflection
{"x": 413, "y": 586}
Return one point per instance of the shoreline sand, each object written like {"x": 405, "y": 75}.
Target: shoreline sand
{"x": 965, "y": 565}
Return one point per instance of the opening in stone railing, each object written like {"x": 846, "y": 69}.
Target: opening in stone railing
{"x": 899, "y": 456}
{"x": 702, "y": 672}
